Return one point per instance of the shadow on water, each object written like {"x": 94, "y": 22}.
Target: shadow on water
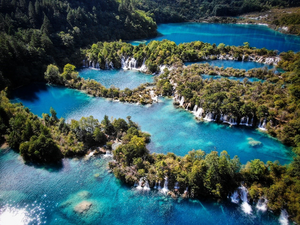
{"x": 50, "y": 167}
{"x": 22, "y": 93}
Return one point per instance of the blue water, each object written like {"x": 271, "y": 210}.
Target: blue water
{"x": 33, "y": 194}
{"x": 119, "y": 78}
{"x": 215, "y": 77}
{"x": 172, "y": 129}
{"x": 230, "y": 34}
{"x": 233, "y": 64}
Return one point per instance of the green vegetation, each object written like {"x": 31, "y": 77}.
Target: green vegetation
{"x": 36, "y": 33}
{"x": 166, "y": 52}
{"x": 210, "y": 175}
{"x": 185, "y": 10}
{"x": 48, "y": 139}
{"x": 71, "y": 79}
{"x": 255, "y": 100}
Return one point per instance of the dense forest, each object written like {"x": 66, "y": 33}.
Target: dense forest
{"x": 34, "y": 34}
{"x": 38, "y": 40}
{"x": 184, "y": 10}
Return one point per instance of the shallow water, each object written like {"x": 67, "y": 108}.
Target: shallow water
{"x": 230, "y": 34}
{"x": 119, "y": 78}
{"x": 33, "y": 194}
{"x": 172, "y": 129}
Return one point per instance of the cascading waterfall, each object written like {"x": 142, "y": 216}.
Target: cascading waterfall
{"x": 154, "y": 97}
{"x": 249, "y": 124}
{"x": 155, "y": 186}
{"x": 181, "y": 101}
{"x": 244, "y": 121}
{"x": 242, "y": 194}
{"x": 146, "y": 186}
{"x": 195, "y": 109}
{"x": 158, "y": 186}
{"x": 232, "y": 121}
{"x": 262, "y": 125}
{"x": 165, "y": 188}
{"x": 139, "y": 187}
{"x": 199, "y": 112}
{"x": 143, "y": 67}
{"x": 262, "y": 204}
{"x": 284, "y": 217}
{"x": 209, "y": 117}
{"x": 108, "y": 154}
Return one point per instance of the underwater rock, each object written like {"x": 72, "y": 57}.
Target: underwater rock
{"x": 82, "y": 207}
{"x": 254, "y": 143}
{"x": 84, "y": 194}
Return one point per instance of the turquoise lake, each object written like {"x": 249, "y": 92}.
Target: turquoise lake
{"x": 32, "y": 194}
{"x": 36, "y": 194}
{"x": 119, "y": 78}
{"x": 172, "y": 129}
{"x": 258, "y": 36}
{"x": 233, "y": 64}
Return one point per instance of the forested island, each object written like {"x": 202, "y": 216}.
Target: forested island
{"x": 46, "y": 40}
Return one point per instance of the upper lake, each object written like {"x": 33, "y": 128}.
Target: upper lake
{"x": 258, "y": 36}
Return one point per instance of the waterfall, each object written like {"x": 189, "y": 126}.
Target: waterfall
{"x": 199, "y": 112}
{"x": 159, "y": 187}
{"x": 209, "y": 117}
{"x": 262, "y": 125}
{"x": 154, "y": 97}
{"x": 143, "y": 68}
{"x": 284, "y": 217}
{"x": 181, "y": 101}
{"x": 165, "y": 188}
{"x": 195, "y": 109}
{"x": 129, "y": 63}
{"x": 235, "y": 197}
{"x": 262, "y": 204}
{"x": 155, "y": 186}
{"x": 242, "y": 194}
{"x": 106, "y": 65}
{"x": 225, "y": 119}
{"x": 232, "y": 122}
{"x": 244, "y": 121}
{"x": 249, "y": 124}
{"x": 176, "y": 186}
{"x": 221, "y": 118}
{"x": 139, "y": 187}
{"x": 107, "y": 154}
{"x": 146, "y": 186}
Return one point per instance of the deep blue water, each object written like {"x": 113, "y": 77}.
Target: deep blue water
{"x": 233, "y": 64}
{"x": 119, "y": 78}
{"x": 229, "y": 34}
{"x": 33, "y": 194}
{"x": 173, "y": 130}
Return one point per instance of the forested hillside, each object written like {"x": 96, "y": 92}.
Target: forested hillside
{"x": 182, "y": 10}
{"x": 38, "y": 32}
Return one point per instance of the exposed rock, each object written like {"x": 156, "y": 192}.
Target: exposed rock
{"x": 82, "y": 207}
